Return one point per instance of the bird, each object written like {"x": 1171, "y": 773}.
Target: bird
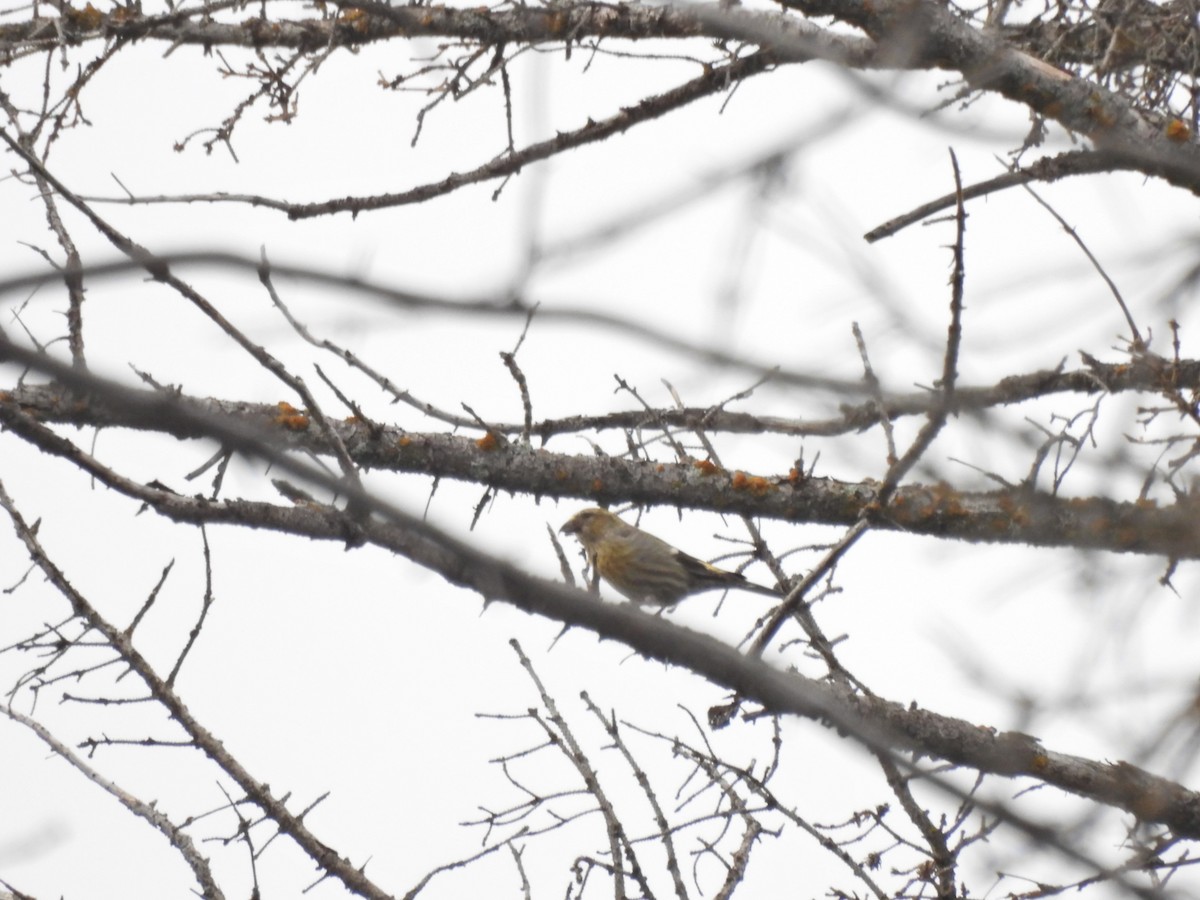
{"x": 644, "y": 568}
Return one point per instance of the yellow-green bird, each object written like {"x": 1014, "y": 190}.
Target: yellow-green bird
{"x": 644, "y": 568}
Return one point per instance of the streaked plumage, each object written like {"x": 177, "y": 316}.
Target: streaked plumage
{"x": 644, "y": 568}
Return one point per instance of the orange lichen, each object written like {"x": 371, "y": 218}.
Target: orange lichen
{"x": 488, "y": 442}
{"x": 1017, "y": 514}
{"x": 356, "y": 19}
{"x": 291, "y": 418}
{"x": 1128, "y": 536}
{"x": 1039, "y": 762}
{"x": 1177, "y": 130}
{"x": 1101, "y": 116}
{"x": 597, "y": 486}
{"x": 707, "y": 467}
{"x": 403, "y": 441}
{"x": 755, "y": 484}
{"x": 88, "y": 17}
{"x": 943, "y": 501}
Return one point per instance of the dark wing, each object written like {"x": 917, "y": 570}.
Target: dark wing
{"x": 705, "y": 576}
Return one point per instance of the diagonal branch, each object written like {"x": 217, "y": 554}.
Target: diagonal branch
{"x": 173, "y": 833}
{"x": 261, "y": 794}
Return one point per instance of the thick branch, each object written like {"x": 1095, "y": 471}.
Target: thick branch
{"x": 365, "y": 23}
{"x": 1008, "y": 516}
{"x": 929, "y": 34}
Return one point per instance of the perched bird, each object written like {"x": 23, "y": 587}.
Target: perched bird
{"x": 644, "y": 568}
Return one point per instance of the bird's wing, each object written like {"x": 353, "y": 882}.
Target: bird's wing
{"x": 710, "y": 575}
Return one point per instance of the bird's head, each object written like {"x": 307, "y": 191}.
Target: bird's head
{"x": 589, "y": 525}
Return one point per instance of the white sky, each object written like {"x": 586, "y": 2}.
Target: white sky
{"x": 359, "y": 674}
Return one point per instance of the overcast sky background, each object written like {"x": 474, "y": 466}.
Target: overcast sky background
{"x": 358, "y": 673}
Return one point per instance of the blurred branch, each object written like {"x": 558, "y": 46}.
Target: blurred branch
{"x": 1145, "y": 373}
{"x": 499, "y": 306}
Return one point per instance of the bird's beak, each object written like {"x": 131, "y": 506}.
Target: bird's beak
{"x": 570, "y": 527}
